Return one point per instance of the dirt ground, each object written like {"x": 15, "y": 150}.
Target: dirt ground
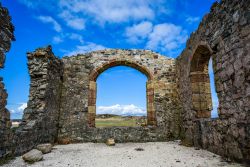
{"x": 158, "y": 154}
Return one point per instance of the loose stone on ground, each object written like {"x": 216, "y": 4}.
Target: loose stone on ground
{"x": 110, "y": 142}
{"x": 45, "y": 148}
{"x": 33, "y": 156}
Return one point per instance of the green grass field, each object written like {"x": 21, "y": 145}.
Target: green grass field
{"x": 116, "y": 121}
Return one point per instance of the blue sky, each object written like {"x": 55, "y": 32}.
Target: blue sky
{"x": 79, "y": 26}
{"x": 121, "y": 90}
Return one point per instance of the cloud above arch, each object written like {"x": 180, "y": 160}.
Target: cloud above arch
{"x": 119, "y": 109}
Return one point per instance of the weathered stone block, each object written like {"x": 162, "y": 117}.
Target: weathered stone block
{"x": 92, "y": 109}
{"x": 203, "y": 114}
{"x": 63, "y": 141}
{"x": 33, "y": 156}
{"x": 44, "y": 148}
{"x": 92, "y": 85}
{"x": 110, "y": 142}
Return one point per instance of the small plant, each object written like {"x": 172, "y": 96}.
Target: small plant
{"x": 14, "y": 129}
{"x": 6, "y": 160}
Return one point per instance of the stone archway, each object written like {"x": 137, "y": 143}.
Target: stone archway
{"x": 78, "y": 96}
{"x": 200, "y": 82}
{"x": 151, "y": 117}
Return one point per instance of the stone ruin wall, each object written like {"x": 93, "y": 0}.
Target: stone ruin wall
{"x": 6, "y": 37}
{"x": 223, "y": 34}
{"x": 76, "y": 103}
{"x": 40, "y": 119}
{"x": 58, "y": 103}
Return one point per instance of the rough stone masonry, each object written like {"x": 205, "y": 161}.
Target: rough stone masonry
{"x": 6, "y": 36}
{"x": 62, "y": 101}
{"x": 224, "y": 36}
{"x": 78, "y": 97}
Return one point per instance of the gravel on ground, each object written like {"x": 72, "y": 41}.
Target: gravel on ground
{"x": 157, "y": 154}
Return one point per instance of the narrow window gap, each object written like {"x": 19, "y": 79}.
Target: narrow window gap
{"x": 215, "y": 102}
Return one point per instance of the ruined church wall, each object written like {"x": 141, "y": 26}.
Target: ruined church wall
{"x": 59, "y": 91}
{"x": 226, "y": 30}
{"x": 40, "y": 119}
{"x": 6, "y": 37}
{"x": 75, "y": 90}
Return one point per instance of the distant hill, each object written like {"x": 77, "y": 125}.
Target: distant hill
{"x": 103, "y": 116}
{"x": 16, "y": 120}
{"x": 111, "y": 120}
{"x": 106, "y": 115}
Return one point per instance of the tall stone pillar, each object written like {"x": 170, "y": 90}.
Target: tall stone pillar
{"x": 150, "y": 104}
{"x": 92, "y": 104}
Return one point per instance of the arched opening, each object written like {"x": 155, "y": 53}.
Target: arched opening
{"x": 201, "y": 76}
{"x": 121, "y": 98}
{"x": 151, "y": 118}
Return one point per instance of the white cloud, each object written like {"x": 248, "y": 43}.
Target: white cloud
{"x": 191, "y": 20}
{"x": 28, "y": 3}
{"x": 75, "y": 36}
{"x": 76, "y": 23}
{"x": 166, "y": 37}
{"x": 57, "y": 39}
{"x": 76, "y": 12}
{"x": 49, "y": 19}
{"x": 72, "y": 20}
{"x": 88, "y": 47}
{"x": 19, "y": 109}
{"x": 22, "y": 107}
{"x": 12, "y": 111}
{"x": 118, "y": 109}
{"x": 61, "y": 37}
{"x": 112, "y": 11}
{"x": 138, "y": 32}
{"x": 49, "y": 5}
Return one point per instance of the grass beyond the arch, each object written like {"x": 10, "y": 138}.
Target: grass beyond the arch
{"x": 115, "y": 121}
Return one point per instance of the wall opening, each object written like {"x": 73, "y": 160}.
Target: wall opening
{"x": 16, "y": 113}
{"x": 121, "y": 98}
{"x": 215, "y": 101}
{"x": 201, "y": 81}
{"x": 149, "y": 91}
